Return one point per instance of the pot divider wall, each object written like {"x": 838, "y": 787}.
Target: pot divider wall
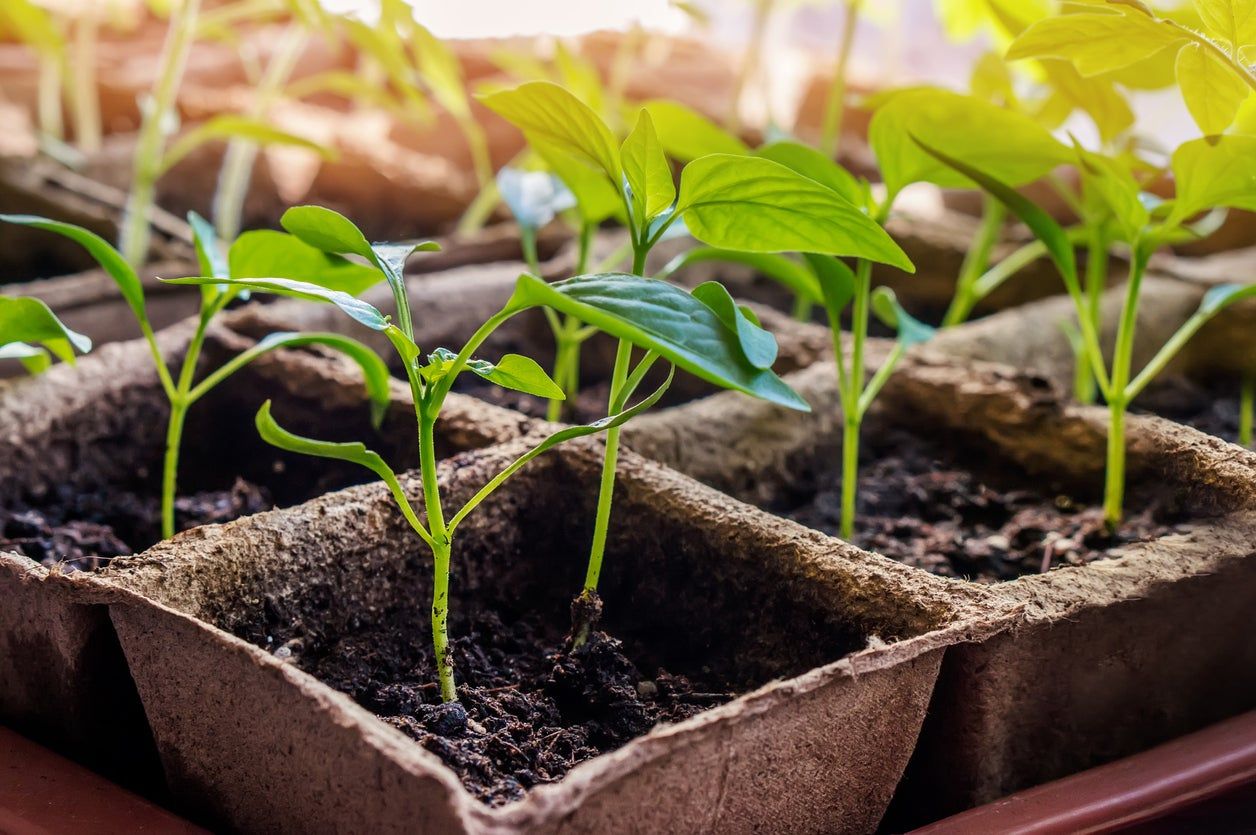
{"x": 98, "y": 427}
{"x": 838, "y": 649}
{"x": 1107, "y": 658}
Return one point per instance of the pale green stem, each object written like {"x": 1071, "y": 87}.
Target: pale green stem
{"x": 835, "y": 104}
{"x": 237, "y": 163}
{"x": 802, "y": 309}
{"x": 85, "y": 93}
{"x": 1096, "y": 279}
{"x": 51, "y": 121}
{"x": 976, "y": 262}
{"x": 146, "y": 165}
{"x": 179, "y": 405}
{"x": 1247, "y": 408}
{"x": 481, "y": 208}
{"x": 750, "y": 62}
{"x": 851, "y": 417}
{"x": 1118, "y": 396}
{"x": 440, "y": 559}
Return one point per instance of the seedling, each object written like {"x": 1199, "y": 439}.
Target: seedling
{"x": 689, "y": 331}
{"x": 252, "y": 252}
{"x": 728, "y": 201}
{"x": 36, "y": 27}
{"x": 32, "y": 334}
{"x": 1208, "y": 173}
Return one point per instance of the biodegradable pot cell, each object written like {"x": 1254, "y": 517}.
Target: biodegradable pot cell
{"x": 88, "y": 440}
{"x": 1108, "y": 657}
{"x": 828, "y": 656}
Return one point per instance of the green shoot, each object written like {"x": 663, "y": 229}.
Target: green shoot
{"x": 835, "y": 102}
{"x": 32, "y": 334}
{"x": 251, "y": 252}
{"x": 663, "y": 320}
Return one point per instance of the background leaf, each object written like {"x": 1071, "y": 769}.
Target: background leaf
{"x": 780, "y": 268}
{"x": 534, "y": 197}
{"x": 911, "y": 331}
{"x": 549, "y": 113}
{"x": 232, "y": 126}
{"x": 28, "y": 320}
{"x": 1211, "y": 172}
{"x": 1095, "y": 42}
{"x": 686, "y": 134}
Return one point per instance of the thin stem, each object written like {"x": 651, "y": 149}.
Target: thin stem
{"x": 51, "y": 121}
{"x": 85, "y": 93}
{"x": 474, "y": 218}
{"x": 802, "y": 309}
{"x": 237, "y": 163}
{"x": 976, "y": 261}
{"x": 170, "y": 465}
{"x": 1122, "y": 357}
{"x": 639, "y": 255}
{"x": 835, "y": 104}
{"x": 437, "y": 396}
{"x": 878, "y": 381}
{"x": 851, "y": 417}
{"x": 750, "y": 62}
{"x": 146, "y": 165}
{"x": 1085, "y": 388}
{"x": 1114, "y": 485}
{"x": 1247, "y": 408}
{"x": 606, "y": 489}
{"x": 441, "y": 550}
{"x": 565, "y": 349}
{"x": 850, "y": 476}
{"x": 527, "y": 242}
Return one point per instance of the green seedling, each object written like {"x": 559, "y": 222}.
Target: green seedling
{"x": 698, "y": 333}
{"x": 32, "y": 334}
{"x": 1208, "y": 173}
{"x": 754, "y": 204}
{"x": 252, "y": 253}
{"x": 36, "y": 27}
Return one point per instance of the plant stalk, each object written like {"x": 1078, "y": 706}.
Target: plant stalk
{"x": 1118, "y": 394}
{"x": 1085, "y": 385}
{"x": 51, "y": 120}
{"x": 478, "y": 213}
{"x": 441, "y": 550}
{"x": 85, "y": 93}
{"x": 835, "y": 103}
{"x": 976, "y": 261}
{"x": 750, "y": 62}
{"x": 146, "y": 166}
{"x": 1247, "y": 409}
{"x": 851, "y": 417}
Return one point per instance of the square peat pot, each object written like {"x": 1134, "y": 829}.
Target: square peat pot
{"x": 768, "y": 679}
{"x": 1107, "y": 657}
{"x": 80, "y": 465}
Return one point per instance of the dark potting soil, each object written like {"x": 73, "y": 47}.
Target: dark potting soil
{"x": 922, "y": 503}
{"x": 528, "y": 712}
{"x": 83, "y": 531}
{"x": 1209, "y": 405}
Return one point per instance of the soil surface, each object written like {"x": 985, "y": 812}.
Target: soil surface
{"x": 920, "y": 505}
{"x": 85, "y": 531}
{"x": 1210, "y": 405}
{"x": 528, "y": 711}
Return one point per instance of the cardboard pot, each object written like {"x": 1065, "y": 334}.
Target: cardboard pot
{"x": 96, "y": 429}
{"x": 253, "y": 742}
{"x": 1108, "y": 658}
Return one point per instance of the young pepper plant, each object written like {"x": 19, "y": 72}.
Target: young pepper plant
{"x": 663, "y": 320}
{"x": 1209, "y": 173}
{"x": 251, "y": 253}
{"x": 32, "y": 334}
{"x": 729, "y": 201}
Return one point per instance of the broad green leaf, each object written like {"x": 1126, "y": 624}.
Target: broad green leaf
{"x": 1233, "y": 21}
{"x": 741, "y": 202}
{"x": 231, "y": 126}
{"x": 110, "y": 260}
{"x": 646, "y": 169}
{"x": 991, "y": 80}
{"x": 327, "y": 230}
{"x": 686, "y": 134}
{"x": 1010, "y": 146}
{"x": 547, "y": 112}
{"x": 1222, "y": 296}
{"x": 29, "y": 320}
{"x": 814, "y": 165}
{"x": 837, "y": 285}
{"x": 1045, "y": 229}
{"x": 1097, "y": 97}
{"x": 596, "y": 198}
{"x": 33, "y": 358}
{"x": 1214, "y": 171}
{"x": 265, "y": 253}
{"x": 534, "y": 197}
{"x": 581, "y": 77}
{"x": 356, "y": 308}
{"x": 911, "y": 331}
{"x": 1211, "y": 89}
{"x": 1109, "y": 187}
{"x": 779, "y": 268}
{"x": 519, "y": 373}
{"x": 962, "y": 19}
{"x": 33, "y": 25}
{"x": 441, "y": 71}
{"x": 660, "y": 317}
{"x": 1096, "y": 42}
{"x": 757, "y": 345}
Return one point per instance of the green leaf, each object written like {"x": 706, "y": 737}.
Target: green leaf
{"x": 837, "y": 284}
{"x": 686, "y": 134}
{"x": 1096, "y": 42}
{"x": 547, "y": 112}
{"x": 1233, "y": 21}
{"x": 1109, "y": 184}
{"x": 534, "y": 197}
{"x": 596, "y": 198}
{"x": 1210, "y": 87}
{"x": 442, "y": 72}
{"x": 1010, "y": 146}
{"x": 346, "y": 85}
{"x": 519, "y": 373}
{"x": 1211, "y": 172}
{"x": 737, "y": 202}
{"x": 208, "y": 252}
{"x": 647, "y": 172}
{"x": 231, "y": 126}
{"x": 1223, "y": 295}
{"x": 1053, "y": 237}
{"x": 911, "y": 331}
{"x": 327, "y": 230}
{"x": 814, "y": 165}
{"x": 29, "y": 320}
{"x": 33, "y": 358}
{"x": 757, "y": 345}
{"x": 781, "y": 269}
{"x": 359, "y": 310}
{"x": 1097, "y": 97}
{"x": 33, "y": 25}
{"x": 110, "y": 260}
{"x": 660, "y": 317}
{"x": 265, "y": 253}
